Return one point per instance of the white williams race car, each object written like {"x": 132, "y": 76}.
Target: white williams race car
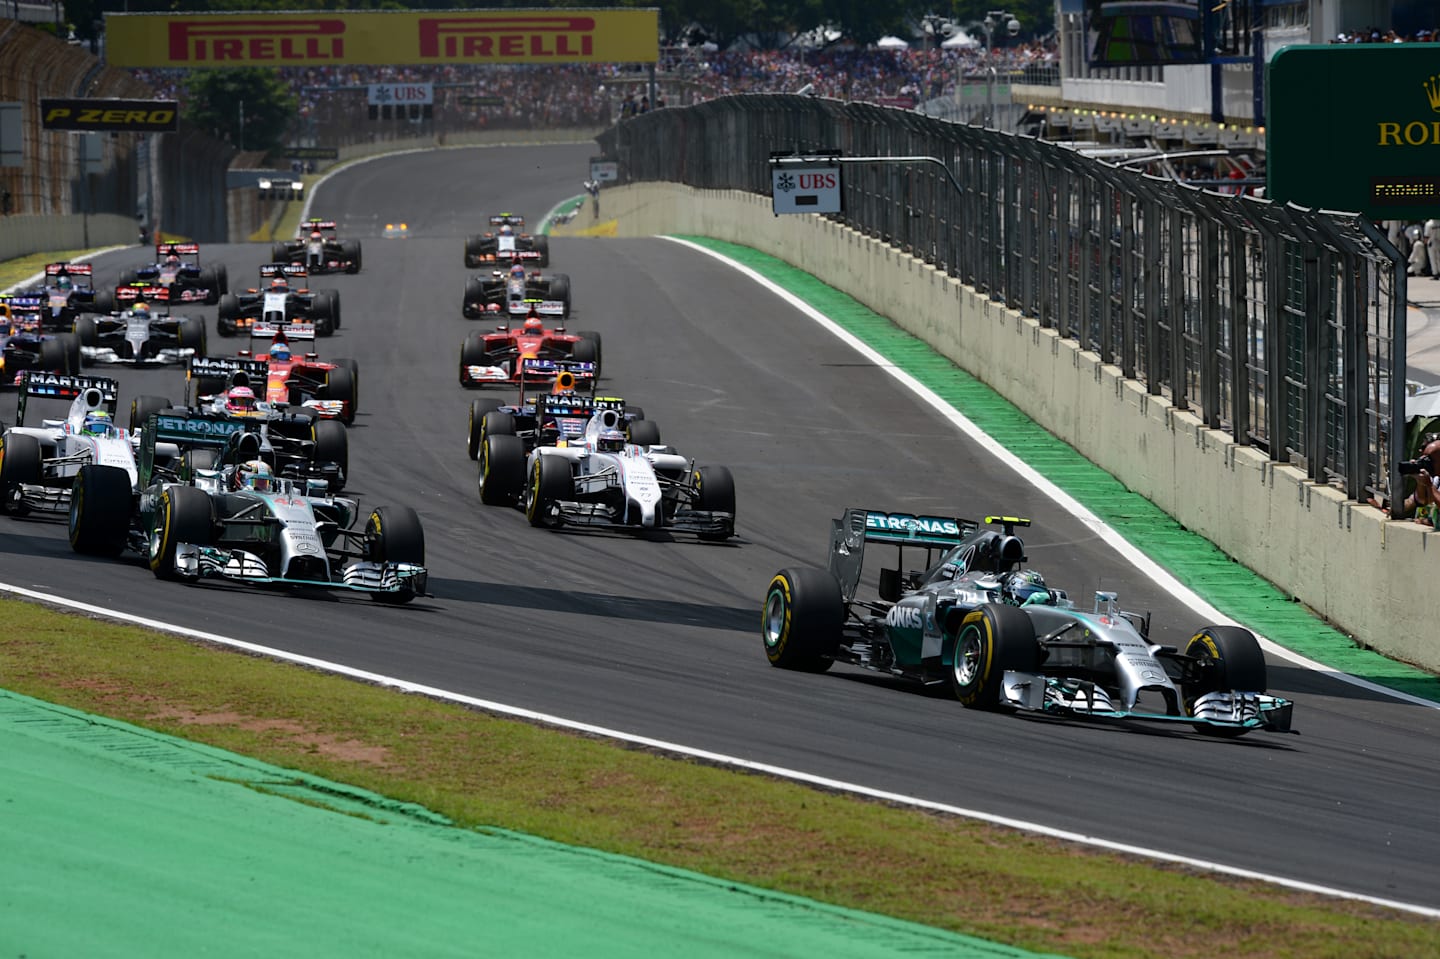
{"x": 38, "y": 464}
{"x": 599, "y": 478}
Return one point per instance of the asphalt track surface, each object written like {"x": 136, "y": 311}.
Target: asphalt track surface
{"x": 658, "y": 636}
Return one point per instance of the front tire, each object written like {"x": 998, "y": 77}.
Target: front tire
{"x": 340, "y": 385}
{"x": 183, "y": 515}
{"x": 801, "y": 622}
{"x": 644, "y": 433}
{"x": 332, "y": 445}
{"x": 1229, "y": 658}
{"x": 715, "y": 492}
{"x": 551, "y": 482}
{"x": 142, "y": 406}
{"x": 991, "y": 640}
{"x": 100, "y": 507}
{"x": 394, "y": 535}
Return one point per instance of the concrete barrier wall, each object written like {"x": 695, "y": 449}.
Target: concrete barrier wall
{"x": 1347, "y": 562}
{"x": 23, "y": 235}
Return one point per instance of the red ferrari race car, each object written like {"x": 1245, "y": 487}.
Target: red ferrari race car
{"x": 496, "y": 357}
{"x": 331, "y": 389}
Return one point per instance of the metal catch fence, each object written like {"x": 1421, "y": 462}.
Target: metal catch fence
{"x": 1283, "y": 327}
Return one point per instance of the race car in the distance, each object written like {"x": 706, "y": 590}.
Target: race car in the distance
{"x": 317, "y": 248}
{"x": 511, "y": 291}
{"x": 598, "y": 477}
{"x": 298, "y": 380}
{"x": 235, "y": 519}
{"x": 281, "y": 298}
{"x": 499, "y": 356}
{"x": 505, "y": 241}
{"x": 25, "y": 344}
{"x": 39, "y": 463}
{"x": 65, "y": 293}
{"x": 974, "y": 620}
{"x": 141, "y": 333}
{"x": 177, "y": 268}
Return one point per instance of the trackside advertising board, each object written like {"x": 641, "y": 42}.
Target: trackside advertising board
{"x": 319, "y": 38}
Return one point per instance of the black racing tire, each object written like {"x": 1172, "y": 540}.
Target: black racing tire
{"x": 183, "y": 515}
{"x": 280, "y": 253}
{"x": 142, "y": 406}
{"x": 190, "y": 332}
{"x": 502, "y": 470}
{"x": 88, "y": 330}
{"x": 350, "y": 252}
{"x": 644, "y": 433}
{"x": 127, "y": 277}
{"x": 541, "y": 245}
{"x": 226, "y": 314}
{"x": 560, "y": 290}
{"x": 475, "y": 428}
{"x": 340, "y": 385}
{"x": 322, "y": 314}
{"x": 334, "y": 296}
{"x": 551, "y": 482}
{"x": 222, "y": 279}
{"x": 715, "y": 491}
{"x": 497, "y": 423}
{"x": 473, "y": 353}
{"x": 802, "y": 619}
{"x": 473, "y": 306}
{"x": 332, "y": 445}
{"x": 104, "y": 302}
{"x": 473, "y": 245}
{"x": 210, "y": 280}
{"x": 634, "y": 412}
{"x": 74, "y": 359}
{"x": 20, "y": 463}
{"x": 53, "y": 357}
{"x": 584, "y": 351}
{"x": 393, "y": 534}
{"x": 346, "y": 362}
{"x": 200, "y": 459}
{"x": 990, "y": 640}
{"x": 101, "y": 502}
{"x": 1228, "y": 658}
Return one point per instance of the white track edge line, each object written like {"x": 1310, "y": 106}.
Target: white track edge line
{"x": 1104, "y": 531}
{"x": 719, "y": 759}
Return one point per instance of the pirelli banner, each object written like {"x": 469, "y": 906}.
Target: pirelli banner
{"x": 318, "y": 38}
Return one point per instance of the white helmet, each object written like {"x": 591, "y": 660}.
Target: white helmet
{"x": 254, "y": 475}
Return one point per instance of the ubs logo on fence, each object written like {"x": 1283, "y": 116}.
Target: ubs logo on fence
{"x": 538, "y": 36}
{"x": 227, "y": 40}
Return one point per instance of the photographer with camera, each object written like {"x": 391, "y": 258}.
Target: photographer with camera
{"x": 1424, "y": 503}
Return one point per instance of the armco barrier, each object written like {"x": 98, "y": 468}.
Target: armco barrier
{"x": 1347, "y": 561}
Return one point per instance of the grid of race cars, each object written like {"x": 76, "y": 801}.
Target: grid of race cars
{"x": 240, "y": 478}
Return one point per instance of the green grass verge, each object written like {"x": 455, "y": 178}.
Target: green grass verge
{"x": 13, "y": 271}
{"x": 478, "y": 769}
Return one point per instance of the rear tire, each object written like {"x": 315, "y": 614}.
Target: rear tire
{"x": 183, "y": 515}
{"x": 350, "y": 249}
{"x": 226, "y": 314}
{"x": 473, "y": 306}
{"x": 502, "y": 470}
{"x": 472, "y": 353}
{"x": 142, "y": 406}
{"x": 332, "y": 445}
{"x": 87, "y": 330}
{"x": 991, "y": 640}
{"x": 802, "y": 619}
{"x": 190, "y": 332}
{"x": 560, "y": 290}
{"x": 644, "y": 433}
{"x": 541, "y": 245}
{"x": 70, "y": 343}
{"x": 53, "y": 357}
{"x": 101, "y": 502}
{"x": 475, "y": 429}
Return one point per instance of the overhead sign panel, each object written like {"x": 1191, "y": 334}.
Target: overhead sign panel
{"x": 1372, "y": 111}
{"x": 805, "y": 189}
{"x": 320, "y": 38}
{"x": 81, "y": 113}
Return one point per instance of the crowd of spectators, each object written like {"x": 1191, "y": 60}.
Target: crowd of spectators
{"x": 1376, "y": 35}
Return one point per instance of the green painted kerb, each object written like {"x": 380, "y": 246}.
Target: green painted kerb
{"x": 122, "y": 842}
{"x": 1227, "y": 585}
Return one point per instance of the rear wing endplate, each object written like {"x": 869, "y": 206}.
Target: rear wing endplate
{"x": 850, "y": 533}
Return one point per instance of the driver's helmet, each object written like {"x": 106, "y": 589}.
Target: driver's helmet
{"x": 610, "y": 441}
{"x": 254, "y": 475}
{"x": 172, "y": 260}
{"x": 141, "y": 309}
{"x": 1023, "y": 587}
{"x": 506, "y": 230}
{"x": 317, "y": 235}
{"x": 517, "y": 271}
{"x": 278, "y": 283}
{"x": 533, "y": 324}
{"x": 64, "y": 284}
{"x": 240, "y": 399}
{"x": 280, "y": 351}
{"x": 97, "y": 423}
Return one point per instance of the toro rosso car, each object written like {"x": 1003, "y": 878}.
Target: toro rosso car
{"x": 282, "y": 298}
{"x": 280, "y": 376}
{"x": 65, "y": 293}
{"x": 511, "y": 291}
{"x": 499, "y": 356}
{"x": 38, "y": 464}
{"x": 235, "y": 519}
{"x": 997, "y": 636}
{"x": 24, "y": 344}
{"x": 598, "y": 478}
{"x": 177, "y": 268}
{"x": 317, "y": 248}
{"x": 507, "y": 241}
{"x": 140, "y": 334}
